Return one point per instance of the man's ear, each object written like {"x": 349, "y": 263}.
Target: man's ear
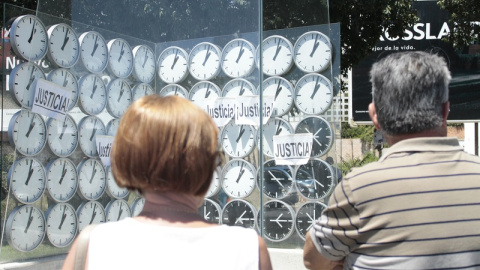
{"x": 373, "y": 115}
{"x": 445, "y": 111}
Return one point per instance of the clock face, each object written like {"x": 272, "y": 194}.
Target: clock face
{"x": 322, "y": 134}
{"x": 278, "y": 220}
{"x": 66, "y": 79}
{"x": 211, "y": 211}
{"x": 141, "y": 90}
{"x": 92, "y": 94}
{"x": 21, "y": 83}
{"x": 91, "y": 179}
{"x": 315, "y": 180}
{"x": 172, "y": 65}
{"x": 238, "y": 58}
{"x": 62, "y": 224}
{"x": 113, "y": 190}
{"x": 277, "y": 55}
{"x": 215, "y": 184}
{"x": 239, "y": 213}
{"x": 137, "y": 206}
{"x": 112, "y": 127}
{"x": 25, "y": 228}
{"x": 273, "y": 127}
{"x": 120, "y": 58}
{"x": 117, "y": 210}
{"x": 27, "y": 132}
{"x": 62, "y": 180}
{"x": 277, "y": 180}
{"x": 26, "y": 180}
{"x": 174, "y": 89}
{"x": 143, "y": 63}
{"x": 63, "y": 45}
{"x": 238, "y": 87}
{"x": 29, "y": 38}
{"x": 313, "y": 52}
{"x": 202, "y": 91}
{"x": 313, "y": 94}
{"x": 62, "y": 136}
{"x": 88, "y": 128}
{"x": 282, "y": 90}
{"x": 239, "y": 178}
{"x": 119, "y": 97}
{"x": 93, "y": 51}
{"x": 91, "y": 212}
{"x": 307, "y": 214}
{"x": 237, "y": 140}
{"x": 204, "y": 61}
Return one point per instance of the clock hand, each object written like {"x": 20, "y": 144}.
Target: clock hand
{"x": 276, "y": 179}
{"x": 242, "y": 88}
{"x": 242, "y": 170}
{"x": 121, "y": 53}
{"x": 30, "y": 219}
{"x": 94, "y": 130}
{"x": 320, "y": 184}
{"x": 30, "y": 128}
{"x": 65, "y": 40}
{"x": 94, "y": 213}
{"x": 315, "y": 136}
{"x": 63, "y": 174}
{"x": 30, "y": 172}
{"x": 176, "y": 89}
{"x": 279, "y": 129}
{"x": 32, "y": 78}
{"x": 146, "y": 58}
{"x": 206, "y": 56}
{"x": 240, "y": 53}
{"x": 208, "y": 91}
{"x": 174, "y": 60}
{"x": 242, "y": 130}
{"x": 31, "y": 34}
{"x": 95, "y": 46}
{"x": 317, "y": 86}
{"x": 94, "y": 171}
{"x": 121, "y": 94}
{"x": 65, "y": 82}
{"x": 94, "y": 87}
{"x": 279, "y": 89}
{"x": 311, "y": 221}
{"x": 120, "y": 213}
{"x": 277, "y": 51}
{"x": 315, "y": 46}
{"x": 240, "y": 218}
{"x": 63, "y": 218}
{"x": 278, "y": 220}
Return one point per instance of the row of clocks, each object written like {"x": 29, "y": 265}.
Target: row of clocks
{"x": 279, "y": 220}
{"x": 31, "y": 41}
{"x": 27, "y": 225}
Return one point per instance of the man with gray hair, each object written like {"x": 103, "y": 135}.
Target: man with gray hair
{"x": 418, "y": 207}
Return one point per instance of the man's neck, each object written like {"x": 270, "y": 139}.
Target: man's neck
{"x": 393, "y": 139}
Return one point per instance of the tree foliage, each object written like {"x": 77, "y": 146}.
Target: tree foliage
{"x": 465, "y": 16}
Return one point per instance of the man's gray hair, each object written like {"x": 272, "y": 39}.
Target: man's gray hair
{"x": 409, "y": 89}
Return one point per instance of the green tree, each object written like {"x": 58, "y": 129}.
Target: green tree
{"x": 465, "y": 16}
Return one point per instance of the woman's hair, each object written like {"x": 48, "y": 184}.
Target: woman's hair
{"x": 165, "y": 144}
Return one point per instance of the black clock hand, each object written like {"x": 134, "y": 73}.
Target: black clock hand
{"x": 206, "y": 56}
{"x": 65, "y": 82}
{"x": 242, "y": 88}
{"x": 30, "y": 128}
{"x": 63, "y": 218}
{"x": 65, "y": 40}
{"x": 64, "y": 127}
{"x": 208, "y": 91}
{"x": 146, "y": 58}
{"x": 121, "y": 53}
{"x": 242, "y": 170}
{"x": 121, "y": 94}
{"x": 176, "y": 89}
{"x": 317, "y": 86}
{"x": 242, "y": 50}
{"x": 30, "y": 172}
{"x": 315, "y": 46}
{"x": 94, "y": 171}
{"x": 94, "y": 213}
{"x": 242, "y": 130}
{"x": 279, "y": 129}
{"x": 174, "y": 60}
{"x": 95, "y": 46}
{"x": 120, "y": 213}
{"x": 32, "y": 78}
{"x": 63, "y": 174}
{"x": 277, "y": 51}
{"x": 94, "y": 131}
{"x": 30, "y": 219}
{"x": 31, "y": 34}
{"x": 94, "y": 87}
{"x": 279, "y": 89}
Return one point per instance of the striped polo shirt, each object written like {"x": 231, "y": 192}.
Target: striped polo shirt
{"x": 418, "y": 207}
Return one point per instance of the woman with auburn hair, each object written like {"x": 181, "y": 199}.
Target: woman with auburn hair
{"x": 166, "y": 148}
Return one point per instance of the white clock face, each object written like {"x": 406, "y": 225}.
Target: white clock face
{"x": 62, "y": 136}
{"x": 238, "y": 58}
{"x": 313, "y": 94}
{"x": 93, "y": 51}
{"x": 137, "y": 206}
{"x": 237, "y": 140}
{"x": 202, "y": 91}
{"x": 92, "y": 94}
{"x": 239, "y": 178}
{"x": 88, "y": 128}
{"x": 282, "y": 90}
{"x": 278, "y": 220}
{"x": 26, "y": 180}
{"x": 91, "y": 212}
{"x": 277, "y": 55}
{"x": 204, "y": 61}
{"x": 143, "y": 63}
{"x": 273, "y": 127}
{"x": 174, "y": 90}
{"x": 62, "y": 224}
{"x": 113, "y": 190}
{"x": 313, "y": 52}
{"x": 92, "y": 179}
{"x": 112, "y": 127}
{"x": 239, "y": 213}
{"x": 238, "y": 87}
{"x": 29, "y": 38}
{"x": 215, "y": 184}
{"x": 63, "y": 45}
{"x": 66, "y": 79}
{"x": 117, "y": 210}
{"x": 25, "y": 228}
{"x": 119, "y": 97}
{"x": 120, "y": 58}
{"x": 172, "y": 65}
{"x": 141, "y": 90}
{"x": 27, "y": 132}
{"x": 61, "y": 179}
{"x": 322, "y": 134}
{"x": 21, "y": 83}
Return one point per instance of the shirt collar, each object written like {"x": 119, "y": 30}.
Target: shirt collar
{"x": 431, "y": 144}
